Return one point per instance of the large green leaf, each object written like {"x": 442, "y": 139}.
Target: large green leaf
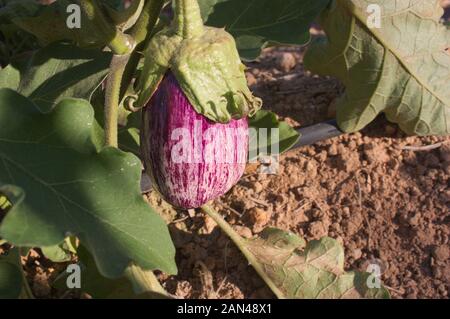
{"x": 401, "y": 69}
{"x": 49, "y": 22}
{"x": 61, "y": 70}
{"x": 207, "y": 7}
{"x": 256, "y": 24}
{"x": 67, "y": 185}
{"x": 11, "y": 279}
{"x": 263, "y": 119}
{"x": 313, "y": 270}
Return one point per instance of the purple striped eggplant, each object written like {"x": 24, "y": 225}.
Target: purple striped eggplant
{"x": 193, "y": 89}
{"x": 190, "y": 158}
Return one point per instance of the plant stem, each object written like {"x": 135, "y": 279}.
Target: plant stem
{"x": 141, "y": 32}
{"x": 112, "y": 101}
{"x": 240, "y": 243}
{"x": 188, "y": 21}
{"x": 147, "y": 20}
{"x": 118, "y": 42}
{"x": 144, "y": 281}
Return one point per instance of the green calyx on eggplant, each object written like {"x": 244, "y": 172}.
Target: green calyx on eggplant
{"x": 204, "y": 61}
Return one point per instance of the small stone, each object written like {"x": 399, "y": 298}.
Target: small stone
{"x": 441, "y": 253}
{"x": 311, "y": 169}
{"x": 332, "y": 150}
{"x": 209, "y": 225}
{"x": 444, "y": 151}
{"x": 317, "y": 229}
{"x": 259, "y": 216}
{"x": 257, "y": 187}
{"x": 243, "y": 231}
{"x": 286, "y": 61}
{"x": 414, "y": 220}
{"x": 356, "y": 254}
{"x": 322, "y": 156}
{"x": 251, "y": 80}
{"x": 390, "y": 130}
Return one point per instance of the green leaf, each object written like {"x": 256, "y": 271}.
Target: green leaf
{"x": 401, "y": 69}
{"x": 129, "y": 124}
{"x": 57, "y": 253}
{"x": 256, "y": 24}
{"x": 15, "y": 43}
{"x": 67, "y": 186}
{"x": 207, "y": 7}
{"x": 314, "y": 270}
{"x": 125, "y": 18}
{"x": 263, "y": 119}
{"x": 98, "y": 286}
{"x": 9, "y": 77}
{"x": 129, "y": 140}
{"x": 61, "y": 70}
{"x": 11, "y": 278}
{"x": 49, "y": 22}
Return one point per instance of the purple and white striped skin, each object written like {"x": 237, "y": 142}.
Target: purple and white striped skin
{"x": 190, "y": 159}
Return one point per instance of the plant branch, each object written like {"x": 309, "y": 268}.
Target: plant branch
{"x": 112, "y": 101}
{"x": 144, "y": 281}
{"x": 147, "y": 20}
{"x": 141, "y": 32}
{"x": 118, "y": 42}
{"x": 240, "y": 243}
{"x": 188, "y": 21}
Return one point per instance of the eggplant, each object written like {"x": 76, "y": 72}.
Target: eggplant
{"x": 190, "y": 158}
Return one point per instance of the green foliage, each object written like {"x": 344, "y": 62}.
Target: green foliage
{"x": 48, "y": 23}
{"x": 61, "y": 70}
{"x": 263, "y": 119}
{"x": 67, "y": 185}
{"x": 312, "y": 270}
{"x": 257, "y": 24}
{"x": 99, "y": 287}
{"x": 401, "y": 69}
{"x": 11, "y": 279}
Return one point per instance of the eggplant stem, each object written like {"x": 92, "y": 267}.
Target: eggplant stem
{"x": 119, "y": 43}
{"x": 141, "y": 33}
{"x": 188, "y": 21}
{"x": 240, "y": 243}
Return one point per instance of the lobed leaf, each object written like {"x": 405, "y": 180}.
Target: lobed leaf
{"x": 401, "y": 69}
{"x": 62, "y": 70}
{"x": 312, "y": 270}
{"x": 67, "y": 185}
{"x": 257, "y": 24}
